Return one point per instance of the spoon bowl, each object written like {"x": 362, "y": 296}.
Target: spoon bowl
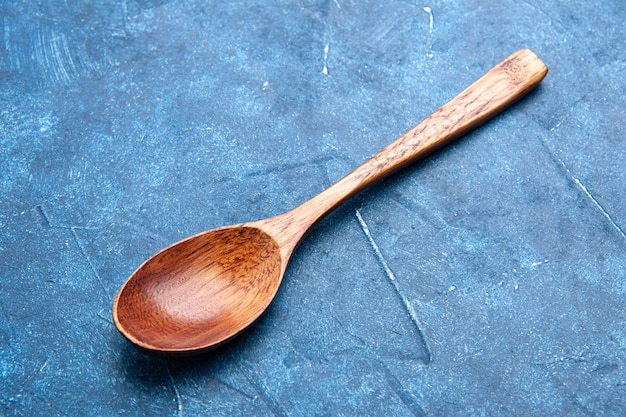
{"x": 200, "y": 291}
{"x": 204, "y": 290}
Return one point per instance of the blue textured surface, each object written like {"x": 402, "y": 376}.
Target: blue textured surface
{"x": 492, "y": 278}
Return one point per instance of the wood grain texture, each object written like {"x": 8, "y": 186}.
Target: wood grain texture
{"x": 206, "y": 289}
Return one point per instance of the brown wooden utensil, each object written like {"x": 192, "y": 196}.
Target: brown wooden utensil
{"x": 204, "y": 290}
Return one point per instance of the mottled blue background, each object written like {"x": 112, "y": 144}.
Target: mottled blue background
{"x": 499, "y": 283}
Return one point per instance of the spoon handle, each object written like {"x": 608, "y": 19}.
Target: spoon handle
{"x": 501, "y": 86}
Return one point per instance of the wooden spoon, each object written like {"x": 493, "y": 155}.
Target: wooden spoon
{"x": 204, "y": 290}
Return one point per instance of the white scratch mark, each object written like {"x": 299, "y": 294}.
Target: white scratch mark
{"x": 105, "y": 317}
{"x": 64, "y": 57}
{"x": 592, "y": 198}
{"x": 325, "y": 69}
{"x": 91, "y": 265}
{"x": 379, "y": 254}
{"x": 266, "y": 84}
{"x": 44, "y": 365}
{"x": 452, "y": 288}
{"x": 428, "y": 10}
{"x": 407, "y": 304}
{"x": 430, "y": 18}
{"x": 237, "y": 390}
{"x": 599, "y": 206}
{"x": 125, "y": 12}
{"x": 253, "y": 378}
{"x": 47, "y": 51}
{"x": 52, "y": 52}
{"x": 179, "y": 402}
{"x": 556, "y": 126}
{"x": 534, "y": 264}
{"x": 337, "y": 3}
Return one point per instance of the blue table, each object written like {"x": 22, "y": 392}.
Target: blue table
{"x": 489, "y": 279}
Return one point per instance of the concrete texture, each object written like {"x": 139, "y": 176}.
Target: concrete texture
{"x": 491, "y": 279}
